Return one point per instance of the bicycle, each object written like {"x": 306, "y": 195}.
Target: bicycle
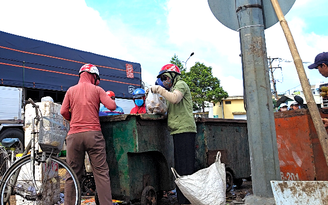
{"x": 9, "y": 148}
{"x": 38, "y": 177}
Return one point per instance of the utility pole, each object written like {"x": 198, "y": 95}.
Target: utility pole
{"x": 247, "y": 17}
{"x": 260, "y": 119}
{"x": 272, "y": 69}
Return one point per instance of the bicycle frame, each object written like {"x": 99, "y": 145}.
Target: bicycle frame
{"x": 28, "y": 178}
{"x": 31, "y": 146}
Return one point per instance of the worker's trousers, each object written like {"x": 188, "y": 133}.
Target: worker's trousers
{"x": 184, "y": 158}
{"x": 93, "y": 143}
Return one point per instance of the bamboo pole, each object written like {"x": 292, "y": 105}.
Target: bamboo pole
{"x": 314, "y": 112}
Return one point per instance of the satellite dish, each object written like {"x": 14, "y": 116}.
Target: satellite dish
{"x": 225, "y": 12}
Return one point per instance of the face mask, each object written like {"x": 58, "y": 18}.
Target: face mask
{"x": 167, "y": 83}
{"x": 139, "y": 102}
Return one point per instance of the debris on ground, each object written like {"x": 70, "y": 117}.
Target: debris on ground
{"x": 90, "y": 200}
{"x": 237, "y": 195}
{"x": 234, "y": 197}
{"x": 169, "y": 198}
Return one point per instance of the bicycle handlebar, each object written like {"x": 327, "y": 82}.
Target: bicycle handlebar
{"x": 37, "y": 116}
{"x": 33, "y": 103}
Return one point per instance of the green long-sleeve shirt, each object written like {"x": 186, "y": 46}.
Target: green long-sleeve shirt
{"x": 180, "y": 115}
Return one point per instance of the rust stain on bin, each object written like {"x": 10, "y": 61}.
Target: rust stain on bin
{"x": 283, "y": 186}
{"x": 307, "y": 188}
{"x": 299, "y": 150}
{"x": 300, "y": 192}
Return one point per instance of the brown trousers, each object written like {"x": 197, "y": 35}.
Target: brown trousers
{"x": 93, "y": 143}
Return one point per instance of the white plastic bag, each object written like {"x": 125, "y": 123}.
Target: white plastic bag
{"x": 87, "y": 163}
{"x": 206, "y": 186}
{"x": 155, "y": 104}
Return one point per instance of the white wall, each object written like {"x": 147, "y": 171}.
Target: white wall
{"x": 240, "y": 117}
{"x": 125, "y": 104}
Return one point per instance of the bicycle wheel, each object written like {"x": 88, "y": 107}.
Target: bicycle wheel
{"x": 4, "y": 157}
{"x": 45, "y": 187}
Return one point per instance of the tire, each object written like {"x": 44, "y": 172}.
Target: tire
{"x": 24, "y": 191}
{"x": 229, "y": 180}
{"x": 14, "y": 133}
{"x": 4, "y": 157}
{"x": 88, "y": 185}
{"x": 149, "y": 196}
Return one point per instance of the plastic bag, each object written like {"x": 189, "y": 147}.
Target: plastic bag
{"x": 155, "y": 104}
{"x": 87, "y": 163}
{"x": 206, "y": 186}
{"x": 53, "y": 131}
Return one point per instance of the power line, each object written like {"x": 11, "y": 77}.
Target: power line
{"x": 272, "y": 70}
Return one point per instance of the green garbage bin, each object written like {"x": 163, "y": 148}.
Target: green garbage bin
{"x": 139, "y": 154}
{"x": 230, "y": 137}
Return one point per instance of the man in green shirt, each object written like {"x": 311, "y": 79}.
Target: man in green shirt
{"x": 180, "y": 120}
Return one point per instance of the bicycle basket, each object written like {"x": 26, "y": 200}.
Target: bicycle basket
{"x": 52, "y": 134}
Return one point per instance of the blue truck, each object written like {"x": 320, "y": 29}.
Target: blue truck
{"x": 34, "y": 69}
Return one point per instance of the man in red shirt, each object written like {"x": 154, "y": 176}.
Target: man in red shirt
{"x": 81, "y": 107}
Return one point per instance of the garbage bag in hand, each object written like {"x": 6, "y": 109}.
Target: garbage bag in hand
{"x": 206, "y": 186}
{"x": 155, "y": 104}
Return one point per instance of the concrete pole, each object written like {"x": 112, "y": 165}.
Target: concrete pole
{"x": 260, "y": 118}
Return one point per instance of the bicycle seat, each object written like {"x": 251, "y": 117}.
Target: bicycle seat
{"x": 8, "y": 142}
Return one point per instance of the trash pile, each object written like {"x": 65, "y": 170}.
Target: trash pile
{"x": 91, "y": 201}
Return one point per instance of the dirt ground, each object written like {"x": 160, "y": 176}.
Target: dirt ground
{"x": 233, "y": 197}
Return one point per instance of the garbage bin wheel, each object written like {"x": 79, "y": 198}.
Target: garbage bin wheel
{"x": 229, "y": 180}
{"x": 88, "y": 185}
{"x": 149, "y": 196}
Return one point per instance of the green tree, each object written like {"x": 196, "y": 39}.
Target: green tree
{"x": 204, "y": 86}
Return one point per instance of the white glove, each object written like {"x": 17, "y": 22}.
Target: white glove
{"x": 155, "y": 88}
{"x": 173, "y": 97}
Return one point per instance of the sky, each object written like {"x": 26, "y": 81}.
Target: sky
{"x": 151, "y": 32}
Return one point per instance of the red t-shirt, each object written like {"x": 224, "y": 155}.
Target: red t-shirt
{"x": 81, "y": 105}
{"x": 138, "y": 110}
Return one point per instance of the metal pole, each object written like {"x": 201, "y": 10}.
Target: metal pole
{"x": 314, "y": 112}
{"x": 260, "y": 118}
{"x": 188, "y": 59}
{"x": 274, "y": 85}
{"x": 272, "y": 76}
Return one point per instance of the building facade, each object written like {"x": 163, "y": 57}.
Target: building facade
{"x": 230, "y": 108}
